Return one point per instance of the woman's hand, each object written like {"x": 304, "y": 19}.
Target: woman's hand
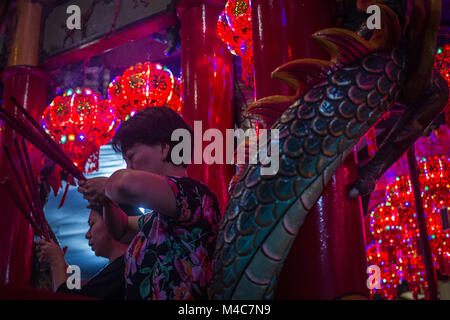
{"x": 93, "y": 190}
{"x": 49, "y": 252}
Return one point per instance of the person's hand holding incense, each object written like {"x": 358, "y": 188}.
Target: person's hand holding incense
{"x": 51, "y": 253}
{"x": 93, "y": 190}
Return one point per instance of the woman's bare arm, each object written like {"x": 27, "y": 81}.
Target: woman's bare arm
{"x": 141, "y": 188}
{"x": 120, "y": 226}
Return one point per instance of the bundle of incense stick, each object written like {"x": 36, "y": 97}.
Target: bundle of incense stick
{"x": 30, "y": 130}
{"x": 26, "y": 196}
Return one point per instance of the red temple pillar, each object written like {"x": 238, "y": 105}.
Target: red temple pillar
{"x": 23, "y": 80}
{"x": 328, "y": 257}
{"x": 270, "y": 45}
{"x": 327, "y": 260}
{"x": 207, "y": 75}
{"x": 282, "y": 32}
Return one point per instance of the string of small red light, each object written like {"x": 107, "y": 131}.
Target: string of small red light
{"x": 394, "y": 228}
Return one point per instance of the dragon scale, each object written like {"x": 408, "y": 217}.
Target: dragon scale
{"x": 317, "y": 132}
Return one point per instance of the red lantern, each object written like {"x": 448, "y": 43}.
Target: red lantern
{"x": 390, "y": 273}
{"x": 399, "y": 214}
{"x": 384, "y": 224}
{"x": 400, "y": 195}
{"x": 234, "y": 27}
{"x": 435, "y": 180}
{"x": 144, "y": 85}
{"x": 117, "y": 101}
{"x": 81, "y": 122}
{"x": 443, "y": 65}
{"x": 443, "y": 61}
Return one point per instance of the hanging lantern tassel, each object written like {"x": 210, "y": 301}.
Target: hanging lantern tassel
{"x": 63, "y": 199}
{"x": 93, "y": 162}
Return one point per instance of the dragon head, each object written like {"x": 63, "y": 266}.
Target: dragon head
{"x": 410, "y": 23}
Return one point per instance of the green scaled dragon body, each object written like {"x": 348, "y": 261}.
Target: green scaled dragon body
{"x": 337, "y": 102}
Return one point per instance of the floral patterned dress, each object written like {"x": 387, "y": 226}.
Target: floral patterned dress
{"x": 172, "y": 258}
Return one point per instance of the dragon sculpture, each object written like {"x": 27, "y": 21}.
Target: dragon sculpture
{"x": 335, "y": 104}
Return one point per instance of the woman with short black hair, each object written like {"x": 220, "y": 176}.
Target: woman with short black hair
{"x": 171, "y": 251}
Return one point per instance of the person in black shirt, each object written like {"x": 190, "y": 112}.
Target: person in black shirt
{"x": 106, "y": 284}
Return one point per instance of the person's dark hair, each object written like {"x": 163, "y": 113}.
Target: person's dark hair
{"x": 150, "y": 126}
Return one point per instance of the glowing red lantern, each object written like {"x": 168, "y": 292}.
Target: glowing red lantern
{"x": 443, "y": 61}
{"x": 234, "y": 27}
{"x": 400, "y": 195}
{"x": 443, "y": 65}
{"x": 384, "y": 224}
{"x": 81, "y": 122}
{"x": 144, "y": 85}
{"x": 435, "y": 181}
{"x": 435, "y": 190}
{"x": 390, "y": 274}
{"x": 117, "y": 101}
